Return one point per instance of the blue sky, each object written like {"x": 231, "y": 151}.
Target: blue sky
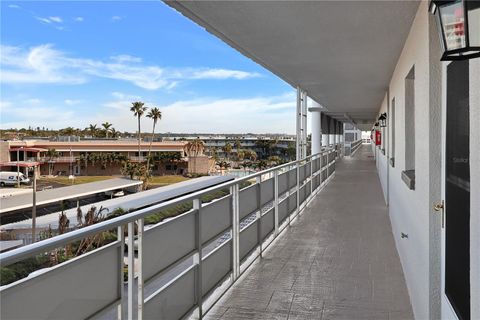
{"x": 76, "y": 63}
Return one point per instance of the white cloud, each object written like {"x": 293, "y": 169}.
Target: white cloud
{"x": 33, "y": 101}
{"x": 49, "y": 20}
{"x": 125, "y": 58}
{"x": 258, "y": 114}
{"x": 70, "y": 102}
{"x": 116, "y": 18}
{"x": 79, "y": 19}
{"x": 14, "y": 6}
{"x": 222, "y": 74}
{"x": 56, "y": 19}
{"x": 207, "y": 115}
{"x": 23, "y": 115}
{"x": 44, "y": 20}
{"x": 45, "y": 64}
{"x": 40, "y": 64}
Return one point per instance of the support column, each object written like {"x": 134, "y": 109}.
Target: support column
{"x": 298, "y": 124}
{"x": 324, "y": 130}
{"x": 316, "y": 114}
{"x": 304, "y": 124}
{"x": 301, "y": 124}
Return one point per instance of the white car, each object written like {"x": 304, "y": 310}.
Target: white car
{"x": 9, "y": 178}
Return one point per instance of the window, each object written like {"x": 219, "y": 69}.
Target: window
{"x": 408, "y": 175}
{"x": 392, "y": 133}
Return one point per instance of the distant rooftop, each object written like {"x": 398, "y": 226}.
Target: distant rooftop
{"x": 23, "y": 201}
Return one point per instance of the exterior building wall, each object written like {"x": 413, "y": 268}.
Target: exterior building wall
{"x": 199, "y": 165}
{"x": 410, "y": 209}
{"x": 4, "y": 153}
{"x": 113, "y": 169}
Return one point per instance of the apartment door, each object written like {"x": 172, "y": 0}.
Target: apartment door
{"x": 456, "y": 192}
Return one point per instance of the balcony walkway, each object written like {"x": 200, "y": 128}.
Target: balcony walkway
{"x": 337, "y": 261}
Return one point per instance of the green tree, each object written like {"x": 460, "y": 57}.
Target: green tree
{"x": 138, "y": 108}
{"x": 250, "y": 155}
{"x": 266, "y": 146}
{"x": 227, "y": 148}
{"x": 155, "y": 114}
{"x": 194, "y": 148}
{"x": 107, "y": 127}
{"x": 51, "y": 154}
{"x": 237, "y": 144}
{"x": 92, "y": 128}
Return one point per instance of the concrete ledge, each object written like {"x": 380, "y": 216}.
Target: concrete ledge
{"x": 408, "y": 176}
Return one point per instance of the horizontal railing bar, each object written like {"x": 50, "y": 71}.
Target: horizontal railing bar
{"x": 170, "y": 267}
{"x": 18, "y": 254}
{"x": 169, "y": 283}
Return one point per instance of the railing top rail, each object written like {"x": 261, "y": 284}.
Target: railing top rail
{"x": 18, "y": 254}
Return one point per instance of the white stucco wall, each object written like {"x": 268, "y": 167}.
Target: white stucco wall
{"x": 382, "y": 159}
{"x": 409, "y": 209}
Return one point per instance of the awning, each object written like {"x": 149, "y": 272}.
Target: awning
{"x": 22, "y": 164}
{"x": 28, "y": 149}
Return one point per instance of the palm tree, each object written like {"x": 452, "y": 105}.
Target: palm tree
{"x": 115, "y": 133}
{"x": 51, "y": 153}
{"x": 155, "y": 114}
{"x": 195, "y": 147}
{"x": 68, "y": 131}
{"x": 106, "y": 127}
{"x": 237, "y": 144}
{"x": 93, "y": 129}
{"x": 227, "y": 149}
{"x": 138, "y": 108}
{"x": 250, "y": 154}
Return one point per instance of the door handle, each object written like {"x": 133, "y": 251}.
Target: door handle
{"x": 440, "y": 207}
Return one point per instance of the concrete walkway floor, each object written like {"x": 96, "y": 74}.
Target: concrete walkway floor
{"x": 337, "y": 261}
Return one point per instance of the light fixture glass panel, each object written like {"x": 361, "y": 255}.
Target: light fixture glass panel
{"x": 453, "y": 24}
{"x": 474, "y": 23}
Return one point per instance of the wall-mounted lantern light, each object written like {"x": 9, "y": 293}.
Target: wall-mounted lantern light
{"x": 459, "y": 27}
{"x": 382, "y": 120}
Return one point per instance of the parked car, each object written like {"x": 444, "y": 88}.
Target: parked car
{"x": 8, "y": 178}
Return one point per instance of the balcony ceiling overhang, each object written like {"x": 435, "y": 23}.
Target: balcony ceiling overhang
{"x": 342, "y": 53}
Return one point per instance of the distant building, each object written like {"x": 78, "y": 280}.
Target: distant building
{"x": 98, "y": 157}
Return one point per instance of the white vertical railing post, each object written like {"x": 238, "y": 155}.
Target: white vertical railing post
{"x": 298, "y": 189}
{"x": 258, "y": 181}
{"x": 328, "y": 165}
{"x": 321, "y": 170}
{"x": 131, "y": 267}
{"x": 140, "y": 269}
{"x": 121, "y": 266}
{"x": 275, "y": 200}
{"x": 288, "y": 195}
{"x": 311, "y": 177}
{"x": 197, "y": 206}
{"x": 235, "y": 231}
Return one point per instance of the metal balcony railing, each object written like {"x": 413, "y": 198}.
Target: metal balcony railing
{"x": 137, "y": 158}
{"x": 351, "y": 147}
{"x": 198, "y": 254}
{"x": 58, "y": 159}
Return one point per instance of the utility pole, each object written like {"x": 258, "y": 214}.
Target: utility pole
{"x": 18, "y": 167}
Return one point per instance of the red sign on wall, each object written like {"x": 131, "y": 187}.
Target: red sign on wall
{"x": 378, "y": 138}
